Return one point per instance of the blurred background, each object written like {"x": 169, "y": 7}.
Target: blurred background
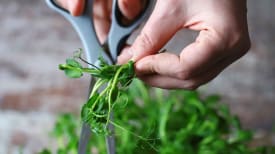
{"x": 34, "y": 40}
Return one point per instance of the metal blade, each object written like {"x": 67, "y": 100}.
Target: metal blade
{"x": 110, "y": 139}
{"x": 84, "y": 139}
{"x": 86, "y": 133}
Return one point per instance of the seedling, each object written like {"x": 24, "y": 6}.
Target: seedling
{"x": 112, "y": 81}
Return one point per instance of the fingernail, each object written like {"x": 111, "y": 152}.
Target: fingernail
{"x": 134, "y": 57}
{"x": 125, "y": 56}
{"x": 131, "y": 54}
{"x": 138, "y": 66}
{"x": 70, "y": 7}
{"x": 139, "y": 69}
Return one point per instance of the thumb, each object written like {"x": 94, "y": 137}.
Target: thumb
{"x": 159, "y": 29}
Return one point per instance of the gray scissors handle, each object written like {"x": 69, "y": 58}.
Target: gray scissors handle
{"x": 84, "y": 25}
{"x": 119, "y": 33}
{"x": 85, "y": 29}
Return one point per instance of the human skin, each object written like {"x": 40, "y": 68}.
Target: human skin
{"x": 223, "y": 38}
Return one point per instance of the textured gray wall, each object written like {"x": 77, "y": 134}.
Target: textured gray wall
{"x": 34, "y": 40}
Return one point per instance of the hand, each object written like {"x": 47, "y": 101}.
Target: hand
{"x": 102, "y": 12}
{"x": 223, "y": 38}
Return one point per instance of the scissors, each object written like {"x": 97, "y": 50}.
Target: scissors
{"x": 116, "y": 39}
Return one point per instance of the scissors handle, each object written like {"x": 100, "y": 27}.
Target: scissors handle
{"x": 119, "y": 33}
{"x": 84, "y": 25}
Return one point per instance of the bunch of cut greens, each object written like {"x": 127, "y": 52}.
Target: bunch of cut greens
{"x": 110, "y": 85}
{"x": 155, "y": 121}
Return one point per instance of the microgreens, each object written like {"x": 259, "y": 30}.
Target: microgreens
{"x": 154, "y": 121}
{"x": 111, "y": 82}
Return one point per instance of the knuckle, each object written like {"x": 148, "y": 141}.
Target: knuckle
{"x": 191, "y": 86}
{"x": 155, "y": 68}
{"x": 246, "y": 45}
{"x": 183, "y": 74}
{"x": 146, "y": 41}
{"x": 240, "y": 38}
{"x": 242, "y": 44}
{"x": 233, "y": 39}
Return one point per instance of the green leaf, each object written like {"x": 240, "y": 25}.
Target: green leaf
{"x": 92, "y": 99}
{"x": 73, "y": 62}
{"x": 73, "y": 73}
{"x": 114, "y": 94}
{"x": 85, "y": 113}
{"x": 72, "y": 68}
{"x": 102, "y": 61}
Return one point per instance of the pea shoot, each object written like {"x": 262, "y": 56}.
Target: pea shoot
{"x": 112, "y": 81}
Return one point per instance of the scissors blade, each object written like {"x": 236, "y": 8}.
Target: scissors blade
{"x": 85, "y": 131}
{"x": 84, "y": 139}
{"x": 110, "y": 139}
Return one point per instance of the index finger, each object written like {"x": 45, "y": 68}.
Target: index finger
{"x": 195, "y": 58}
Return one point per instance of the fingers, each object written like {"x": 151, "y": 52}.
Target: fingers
{"x": 102, "y": 21}
{"x": 165, "y": 64}
{"x": 124, "y": 56}
{"x": 102, "y": 11}
{"x": 194, "y": 59}
{"x": 158, "y": 30}
{"x": 197, "y": 64}
{"x": 164, "y": 82}
{"x": 197, "y": 57}
{"x": 75, "y": 7}
{"x": 162, "y": 74}
{"x": 168, "y": 82}
{"x": 130, "y": 8}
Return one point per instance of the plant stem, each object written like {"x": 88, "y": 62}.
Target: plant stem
{"x": 113, "y": 85}
{"x": 136, "y": 135}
